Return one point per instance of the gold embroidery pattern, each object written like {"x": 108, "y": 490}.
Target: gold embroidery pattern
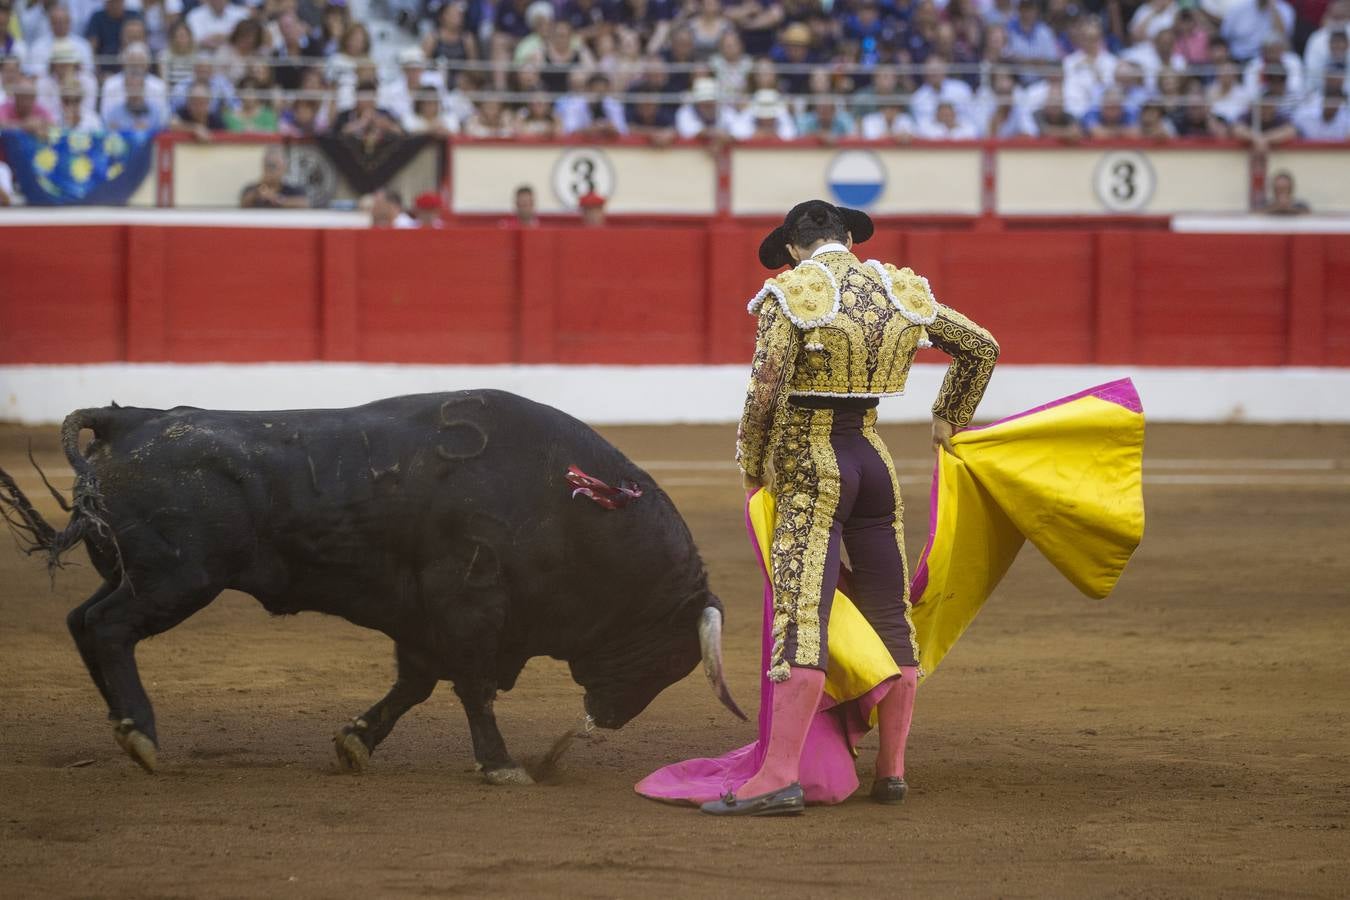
{"x": 806, "y": 483}
{"x": 870, "y": 432}
{"x": 776, "y": 343}
{"x": 974, "y": 354}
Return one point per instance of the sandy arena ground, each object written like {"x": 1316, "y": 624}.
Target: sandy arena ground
{"x": 1187, "y": 737}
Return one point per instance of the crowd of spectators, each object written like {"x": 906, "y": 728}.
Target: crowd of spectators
{"x": 1261, "y": 71}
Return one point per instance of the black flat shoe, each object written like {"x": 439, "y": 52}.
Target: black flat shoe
{"x": 889, "y": 790}
{"x": 788, "y": 801}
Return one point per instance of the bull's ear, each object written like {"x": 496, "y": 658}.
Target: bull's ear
{"x": 710, "y": 642}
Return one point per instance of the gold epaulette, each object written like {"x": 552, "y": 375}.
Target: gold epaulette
{"x": 908, "y": 292}
{"x": 808, "y": 295}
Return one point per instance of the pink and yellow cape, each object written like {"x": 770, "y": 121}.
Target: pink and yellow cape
{"x": 1065, "y": 476}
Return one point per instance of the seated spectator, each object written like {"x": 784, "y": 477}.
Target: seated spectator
{"x": 707, "y": 26}
{"x": 826, "y": 120}
{"x": 1228, "y": 96}
{"x": 386, "y": 210}
{"x": 1193, "y": 37}
{"x": 936, "y": 89}
{"x": 22, "y": 111}
{"x": 1088, "y": 71}
{"x": 135, "y": 64}
{"x": 196, "y": 115}
{"x": 1247, "y": 25}
{"x": 703, "y": 115}
{"x": 1325, "y": 116}
{"x": 679, "y": 58}
{"x": 303, "y": 118}
{"x": 947, "y": 124}
{"x": 1130, "y": 82}
{"x": 396, "y": 95}
{"x": 794, "y": 49}
{"x": 1054, "y": 121}
{"x": 592, "y": 113}
{"x": 869, "y": 29}
{"x": 254, "y": 115}
{"x": 523, "y": 207}
{"x": 881, "y": 92}
{"x": 994, "y": 56}
{"x": 366, "y": 121}
{"x": 63, "y": 65}
{"x": 999, "y": 108}
{"x": 333, "y": 24}
{"x": 104, "y": 30}
{"x": 1151, "y": 17}
{"x": 60, "y": 32}
{"x": 452, "y": 42}
{"x": 530, "y": 49}
{"x": 1272, "y": 126}
{"x": 537, "y": 118}
{"x": 273, "y": 191}
{"x": 1171, "y": 90}
{"x": 1328, "y": 45}
{"x": 957, "y": 53}
{"x": 135, "y": 111}
{"x": 76, "y": 114}
{"x": 213, "y": 21}
{"x": 1282, "y": 201}
{"x": 176, "y": 61}
{"x": 731, "y": 67}
{"x": 1030, "y": 40}
{"x": 204, "y": 70}
{"x": 1156, "y": 54}
{"x": 511, "y": 19}
{"x": 766, "y": 117}
{"x": 245, "y": 44}
{"x": 757, "y": 20}
{"x": 428, "y": 210}
{"x": 351, "y": 64}
{"x": 1193, "y": 119}
{"x": 1154, "y": 124}
{"x": 1275, "y": 53}
{"x": 564, "y": 52}
{"x": 489, "y": 120}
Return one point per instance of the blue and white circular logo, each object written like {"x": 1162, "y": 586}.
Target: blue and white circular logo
{"x": 856, "y": 178}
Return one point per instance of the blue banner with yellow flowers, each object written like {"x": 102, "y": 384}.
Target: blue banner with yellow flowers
{"x": 96, "y": 168}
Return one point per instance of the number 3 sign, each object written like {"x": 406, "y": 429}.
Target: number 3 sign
{"x": 1124, "y": 181}
{"x": 582, "y": 171}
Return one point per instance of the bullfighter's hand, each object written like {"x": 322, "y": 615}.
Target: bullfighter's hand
{"x": 942, "y": 434}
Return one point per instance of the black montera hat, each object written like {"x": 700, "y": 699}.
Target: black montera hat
{"x": 773, "y": 249}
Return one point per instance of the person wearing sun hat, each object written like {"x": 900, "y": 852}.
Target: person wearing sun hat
{"x": 835, "y": 335}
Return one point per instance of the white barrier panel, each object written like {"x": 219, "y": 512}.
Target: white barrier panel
{"x": 618, "y": 395}
{"x": 215, "y": 174}
{"x": 889, "y": 181}
{"x": 646, "y": 180}
{"x": 1321, "y": 175}
{"x": 1121, "y": 181}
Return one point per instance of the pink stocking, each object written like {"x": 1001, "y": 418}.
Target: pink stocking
{"x": 894, "y": 713}
{"x": 794, "y": 707}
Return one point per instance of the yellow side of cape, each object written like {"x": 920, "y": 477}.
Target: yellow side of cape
{"x": 1068, "y": 478}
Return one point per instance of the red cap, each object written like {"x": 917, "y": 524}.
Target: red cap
{"x": 428, "y": 200}
{"x": 591, "y": 201}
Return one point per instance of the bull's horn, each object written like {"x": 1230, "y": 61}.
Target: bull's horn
{"x": 710, "y": 641}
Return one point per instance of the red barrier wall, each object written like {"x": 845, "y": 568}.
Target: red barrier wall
{"x": 673, "y": 294}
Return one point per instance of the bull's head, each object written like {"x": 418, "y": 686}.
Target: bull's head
{"x": 623, "y": 678}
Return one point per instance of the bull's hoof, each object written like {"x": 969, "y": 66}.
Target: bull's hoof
{"x": 514, "y": 775}
{"x": 352, "y": 753}
{"x": 136, "y": 744}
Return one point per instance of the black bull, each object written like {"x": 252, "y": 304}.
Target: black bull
{"x": 443, "y": 520}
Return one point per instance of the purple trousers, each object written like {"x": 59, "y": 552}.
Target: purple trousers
{"x": 836, "y": 490}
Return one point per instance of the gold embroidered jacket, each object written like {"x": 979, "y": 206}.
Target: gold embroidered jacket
{"x": 838, "y": 327}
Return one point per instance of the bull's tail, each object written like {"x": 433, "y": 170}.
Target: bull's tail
{"x": 31, "y": 530}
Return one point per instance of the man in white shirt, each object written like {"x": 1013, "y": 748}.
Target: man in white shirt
{"x": 702, "y": 115}
{"x": 1087, "y": 71}
{"x": 1248, "y": 23}
{"x": 397, "y": 95}
{"x": 1325, "y": 117}
{"x": 1275, "y": 52}
{"x": 766, "y": 116}
{"x": 63, "y": 64}
{"x": 136, "y": 61}
{"x": 1330, "y": 44}
{"x": 1156, "y": 54}
{"x": 937, "y": 89}
{"x": 947, "y": 125}
{"x": 212, "y": 22}
{"x": 59, "y": 28}
{"x": 588, "y": 108}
